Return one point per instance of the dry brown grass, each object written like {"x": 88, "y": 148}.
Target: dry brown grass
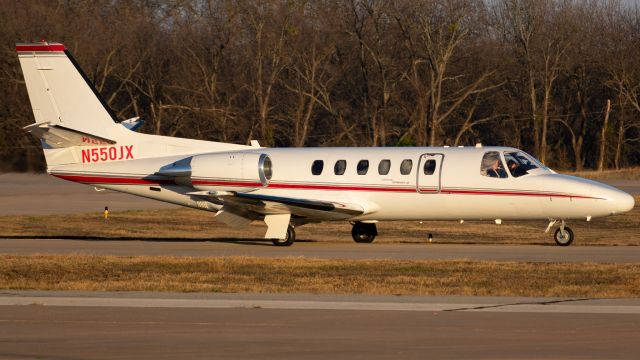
{"x": 187, "y": 223}
{"x": 299, "y": 275}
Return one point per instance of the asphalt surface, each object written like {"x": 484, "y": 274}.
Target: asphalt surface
{"x": 42, "y": 194}
{"x": 321, "y": 250}
{"x": 233, "y": 326}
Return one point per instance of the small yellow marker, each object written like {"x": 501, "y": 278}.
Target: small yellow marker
{"x": 430, "y": 238}
{"x": 106, "y": 212}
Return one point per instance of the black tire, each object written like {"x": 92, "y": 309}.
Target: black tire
{"x": 364, "y": 233}
{"x": 566, "y": 240}
{"x": 289, "y": 240}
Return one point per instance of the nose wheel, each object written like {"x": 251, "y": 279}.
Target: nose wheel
{"x": 364, "y": 232}
{"x": 563, "y": 236}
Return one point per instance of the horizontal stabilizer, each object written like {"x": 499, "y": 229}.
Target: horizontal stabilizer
{"x": 58, "y": 136}
{"x": 133, "y": 124}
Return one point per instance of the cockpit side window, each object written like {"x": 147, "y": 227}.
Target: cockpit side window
{"x": 492, "y": 165}
{"x": 519, "y": 163}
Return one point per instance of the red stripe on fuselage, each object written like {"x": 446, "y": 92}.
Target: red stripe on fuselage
{"x": 511, "y": 193}
{"x": 141, "y": 181}
{"x": 113, "y": 180}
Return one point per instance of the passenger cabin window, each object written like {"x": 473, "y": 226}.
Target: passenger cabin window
{"x": 340, "y": 167}
{"x": 384, "y": 166}
{"x": 429, "y": 167}
{"x": 519, "y": 163}
{"x": 316, "y": 167}
{"x": 405, "y": 166}
{"x": 492, "y": 165}
{"x": 363, "y": 167}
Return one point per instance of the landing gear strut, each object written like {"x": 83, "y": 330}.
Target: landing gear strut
{"x": 364, "y": 232}
{"x": 563, "y": 235}
{"x": 288, "y": 240}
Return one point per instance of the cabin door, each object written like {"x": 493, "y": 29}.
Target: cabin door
{"x": 429, "y": 179}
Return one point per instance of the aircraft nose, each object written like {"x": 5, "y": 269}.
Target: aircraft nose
{"x": 620, "y": 201}
{"x": 625, "y": 202}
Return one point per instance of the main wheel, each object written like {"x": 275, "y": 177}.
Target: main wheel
{"x": 565, "y": 240}
{"x": 364, "y": 232}
{"x": 289, "y": 240}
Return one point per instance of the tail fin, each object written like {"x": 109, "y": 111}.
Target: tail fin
{"x": 71, "y": 116}
{"x": 60, "y": 93}
{"x": 67, "y": 108}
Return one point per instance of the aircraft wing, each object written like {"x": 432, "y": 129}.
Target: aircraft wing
{"x": 249, "y": 205}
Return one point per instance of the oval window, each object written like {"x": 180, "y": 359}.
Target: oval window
{"x": 316, "y": 167}
{"x": 405, "y": 166}
{"x": 384, "y": 166}
{"x": 429, "y": 167}
{"x": 340, "y": 167}
{"x": 363, "y": 167}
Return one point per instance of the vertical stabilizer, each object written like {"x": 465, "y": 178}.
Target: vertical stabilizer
{"x": 60, "y": 93}
{"x": 75, "y": 124}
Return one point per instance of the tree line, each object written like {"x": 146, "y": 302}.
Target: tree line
{"x": 557, "y": 78}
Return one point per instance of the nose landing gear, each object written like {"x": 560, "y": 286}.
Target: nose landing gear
{"x": 563, "y": 235}
{"x": 364, "y": 232}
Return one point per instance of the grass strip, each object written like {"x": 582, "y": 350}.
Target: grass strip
{"x": 302, "y": 275}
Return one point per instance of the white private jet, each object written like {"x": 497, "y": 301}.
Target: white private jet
{"x": 289, "y": 187}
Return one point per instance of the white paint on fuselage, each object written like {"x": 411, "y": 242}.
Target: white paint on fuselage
{"x": 463, "y": 193}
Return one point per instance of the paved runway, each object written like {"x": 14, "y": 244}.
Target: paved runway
{"x": 42, "y": 194}
{"x": 161, "y": 326}
{"x": 321, "y": 250}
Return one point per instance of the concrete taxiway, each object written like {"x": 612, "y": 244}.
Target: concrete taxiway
{"x": 320, "y": 250}
{"x": 74, "y": 325}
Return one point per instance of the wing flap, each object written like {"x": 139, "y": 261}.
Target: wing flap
{"x": 272, "y": 205}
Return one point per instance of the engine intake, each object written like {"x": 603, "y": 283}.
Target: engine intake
{"x": 241, "y": 171}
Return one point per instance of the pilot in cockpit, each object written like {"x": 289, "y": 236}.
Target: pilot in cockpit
{"x": 496, "y": 170}
{"x": 492, "y": 166}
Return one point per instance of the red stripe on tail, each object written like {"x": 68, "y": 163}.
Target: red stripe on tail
{"x": 40, "y": 47}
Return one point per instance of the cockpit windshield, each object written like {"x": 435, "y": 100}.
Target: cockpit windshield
{"x": 519, "y": 163}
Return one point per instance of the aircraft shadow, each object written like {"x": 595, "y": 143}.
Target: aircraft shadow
{"x": 238, "y": 241}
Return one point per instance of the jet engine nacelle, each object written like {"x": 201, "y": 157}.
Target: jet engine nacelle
{"x": 237, "y": 171}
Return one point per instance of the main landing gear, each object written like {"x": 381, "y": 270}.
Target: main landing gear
{"x": 563, "y": 235}
{"x": 288, "y": 240}
{"x": 364, "y": 232}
